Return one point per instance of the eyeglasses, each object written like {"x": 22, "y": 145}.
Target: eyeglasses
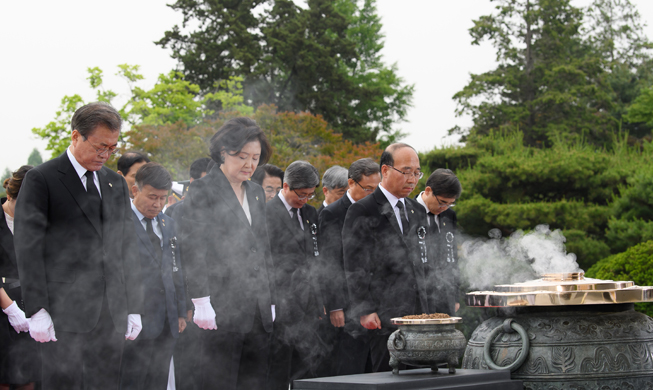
{"x": 101, "y": 151}
{"x": 363, "y": 188}
{"x": 272, "y": 190}
{"x": 417, "y": 175}
{"x": 305, "y": 197}
{"x": 444, "y": 204}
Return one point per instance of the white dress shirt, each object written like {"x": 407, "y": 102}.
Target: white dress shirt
{"x": 81, "y": 172}
{"x": 155, "y": 223}
{"x": 393, "y": 202}
{"x": 350, "y": 198}
{"x": 288, "y": 207}
{"x": 428, "y": 213}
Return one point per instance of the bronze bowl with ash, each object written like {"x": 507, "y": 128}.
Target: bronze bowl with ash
{"x": 425, "y": 341}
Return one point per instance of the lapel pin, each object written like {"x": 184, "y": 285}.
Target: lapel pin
{"x": 444, "y": 224}
{"x": 412, "y": 211}
{"x": 163, "y": 221}
{"x": 110, "y": 185}
{"x": 257, "y": 198}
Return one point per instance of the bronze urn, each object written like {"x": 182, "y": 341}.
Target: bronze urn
{"x": 566, "y": 332}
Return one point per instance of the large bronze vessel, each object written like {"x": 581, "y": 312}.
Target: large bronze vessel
{"x": 566, "y": 332}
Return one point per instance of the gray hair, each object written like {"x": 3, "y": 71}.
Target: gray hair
{"x": 363, "y": 167}
{"x": 335, "y": 177}
{"x": 301, "y": 174}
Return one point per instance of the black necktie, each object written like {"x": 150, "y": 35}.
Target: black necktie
{"x": 404, "y": 220}
{"x": 433, "y": 226}
{"x": 153, "y": 238}
{"x": 93, "y": 196}
{"x": 293, "y": 214}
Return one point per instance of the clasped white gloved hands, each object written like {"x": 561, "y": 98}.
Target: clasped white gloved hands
{"x": 134, "y": 326}
{"x": 204, "y": 314}
{"x": 17, "y": 318}
{"x": 41, "y": 327}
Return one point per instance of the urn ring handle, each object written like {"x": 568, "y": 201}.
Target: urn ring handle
{"x": 399, "y": 341}
{"x": 508, "y": 326}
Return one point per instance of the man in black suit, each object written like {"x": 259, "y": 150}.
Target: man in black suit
{"x": 381, "y": 249}
{"x": 440, "y": 195}
{"x": 146, "y": 360}
{"x": 347, "y": 356}
{"x": 334, "y": 185}
{"x": 128, "y": 165}
{"x": 77, "y": 257}
{"x": 292, "y": 226}
{"x": 197, "y": 171}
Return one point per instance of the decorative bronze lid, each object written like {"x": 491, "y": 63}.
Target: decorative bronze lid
{"x": 427, "y": 321}
{"x": 561, "y": 289}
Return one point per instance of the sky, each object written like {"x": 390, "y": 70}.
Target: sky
{"x": 47, "y": 46}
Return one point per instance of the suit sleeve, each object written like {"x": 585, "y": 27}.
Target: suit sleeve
{"x": 330, "y": 240}
{"x": 195, "y": 240}
{"x": 178, "y": 277}
{"x": 130, "y": 255}
{"x": 29, "y": 241}
{"x": 358, "y": 248}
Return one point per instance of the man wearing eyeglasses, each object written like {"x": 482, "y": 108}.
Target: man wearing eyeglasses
{"x": 383, "y": 262}
{"x": 348, "y": 342}
{"x": 292, "y": 226}
{"x": 78, "y": 258}
{"x": 442, "y": 190}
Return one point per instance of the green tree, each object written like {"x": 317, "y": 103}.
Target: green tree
{"x": 171, "y": 100}
{"x": 35, "y": 158}
{"x": 7, "y": 174}
{"x": 323, "y": 59}
{"x": 635, "y": 265}
{"x": 549, "y": 83}
{"x": 615, "y": 31}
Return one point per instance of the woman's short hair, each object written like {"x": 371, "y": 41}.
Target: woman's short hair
{"x": 13, "y": 183}
{"x": 233, "y": 136}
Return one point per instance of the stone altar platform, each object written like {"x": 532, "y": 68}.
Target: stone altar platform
{"x": 419, "y": 379}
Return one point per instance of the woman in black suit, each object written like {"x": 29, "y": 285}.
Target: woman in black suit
{"x": 226, "y": 254}
{"x": 19, "y": 360}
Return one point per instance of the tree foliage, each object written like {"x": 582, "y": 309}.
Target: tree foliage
{"x": 563, "y": 72}
{"x": 35, "y": 158}
{"x": 324, "y": 59}
{"x": 635, "y": 264}
{"x": 171, "y": 100}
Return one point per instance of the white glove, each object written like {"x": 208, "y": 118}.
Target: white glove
{"x": 17, "y": 318}
{"x": 41, "y": 327}
{"x": 134, "y": 326}
{"x": 274, "y": 313}
{"x": 204, "y": 314}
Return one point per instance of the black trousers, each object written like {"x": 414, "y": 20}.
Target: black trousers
{"x": 84, "y": 361}
{"x": 235, "y": 361}
{"x": 188, "y": 375}
{"x": 146, "y": 363}
{"x": 350, "y": 355}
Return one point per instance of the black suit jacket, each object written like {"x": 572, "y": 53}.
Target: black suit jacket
{"x": 443, "y": 268}
{"x": 162, "y": 279}
{"x": 8, "y": 266}
{"x": 295, "y": 262}
{"x": 334, "y": 285}
{"x": 66, "y": 261}
{"x": 385, "y": 273}
{"x": 224, "y": 256}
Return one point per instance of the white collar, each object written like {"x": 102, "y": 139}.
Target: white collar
{"x": 350, "y": 198}
{"x": 138, "y": 213}
{"x": 421, "y": 201}
{"x": 283, "y": 200}
{"x": 78, "y": 168}
{"x": 391, "y": 198}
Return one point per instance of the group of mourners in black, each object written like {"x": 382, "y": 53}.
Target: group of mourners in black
{"x": 241, "y": 284}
